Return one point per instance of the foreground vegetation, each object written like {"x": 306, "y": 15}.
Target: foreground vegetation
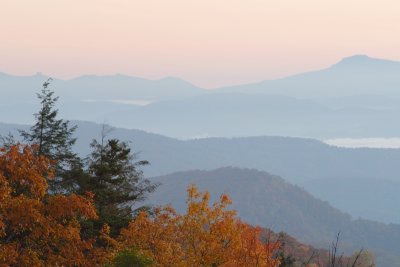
{"x": 41, "y": 229}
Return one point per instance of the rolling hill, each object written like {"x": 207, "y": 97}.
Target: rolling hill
{"x": 269, "y": 201}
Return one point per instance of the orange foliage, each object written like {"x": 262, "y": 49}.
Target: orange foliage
{"x": 253, "y": 252}
{"x": 204, "y": 236}
{"x": 37, "y": 229}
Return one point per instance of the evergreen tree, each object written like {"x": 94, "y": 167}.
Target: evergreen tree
{"x": 116, "y": 182}
{"x": 54, "y": 138}
{"x": 110, "y": 173}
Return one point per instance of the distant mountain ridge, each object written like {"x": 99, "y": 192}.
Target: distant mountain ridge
{"x": 357, "y": 97}
{"x": 96, "y": 87}
{"x": 355, "y": 75}
{"x": 357, "y": 70}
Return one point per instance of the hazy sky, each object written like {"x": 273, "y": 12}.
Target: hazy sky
{"x": 207, "y": 42}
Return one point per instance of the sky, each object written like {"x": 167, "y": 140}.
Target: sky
{"x": 210, "y": 43}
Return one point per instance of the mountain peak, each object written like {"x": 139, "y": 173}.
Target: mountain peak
{"x": 357, "y": 56}
{"x": 365, "y": 62}
{"x": 356, "y": 59}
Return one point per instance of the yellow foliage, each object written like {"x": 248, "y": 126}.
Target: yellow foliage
{"x": 204, "y": 236}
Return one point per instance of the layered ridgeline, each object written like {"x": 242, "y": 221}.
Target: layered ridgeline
{"x": 302, "y": 160}
{"x": 362, "y": 182}
{"x": 357, "y": 97}
{"x": 267, "y": 200}
{"x": 89, "y": 97}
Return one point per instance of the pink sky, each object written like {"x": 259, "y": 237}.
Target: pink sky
{"x": 210, "y": 43}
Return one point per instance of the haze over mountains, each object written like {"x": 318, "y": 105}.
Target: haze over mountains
{"x": 357, "y": 97}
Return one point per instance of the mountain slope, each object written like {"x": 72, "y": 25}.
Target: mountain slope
{"x": 267, "y": 200}
{"x": 355, "y": 75}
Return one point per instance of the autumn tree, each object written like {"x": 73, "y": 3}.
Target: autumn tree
{"x": 204, "y": 236}
{"x": 54, "y": 139}
{"x": 37, "y": 229}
